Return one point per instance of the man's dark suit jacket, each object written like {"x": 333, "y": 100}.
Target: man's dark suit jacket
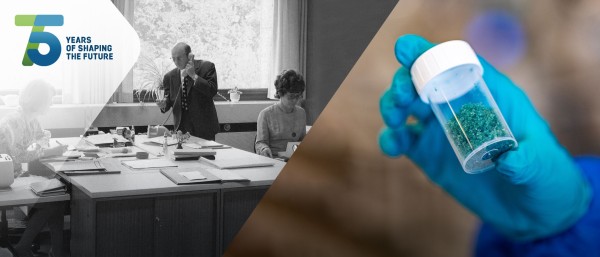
{"x": 201, "y": 107}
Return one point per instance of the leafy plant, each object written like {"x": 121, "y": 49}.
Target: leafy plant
{"x": 231, "y": 34}
{"x": 182, "y": 138}
{"x": 151, "y": 78}
{"x": 234, "y": 91}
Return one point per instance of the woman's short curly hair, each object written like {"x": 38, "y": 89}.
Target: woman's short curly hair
{"x": 36, "y": 96}
{"x": 289, "y": 81}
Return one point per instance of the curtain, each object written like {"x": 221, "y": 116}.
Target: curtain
{"x": 92, "y": 81}
{"x": 124, "y": 94}
{"x": 289, "y": 40}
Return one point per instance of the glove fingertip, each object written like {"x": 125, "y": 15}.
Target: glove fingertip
{"x": 392, "y": 117}
{"x": 389, "y": 144}
{"x": 409, "y": 47}
{"x": 391, "y": 114}
{"x": 516, "y": 164}
{"x": 403, "y": 88}
{"x": 420, "y": 109}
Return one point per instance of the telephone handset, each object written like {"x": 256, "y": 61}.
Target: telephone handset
{"x": 190, "y": 60}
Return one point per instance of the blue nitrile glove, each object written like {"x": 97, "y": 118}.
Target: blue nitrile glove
{"x": 535, "y": 190}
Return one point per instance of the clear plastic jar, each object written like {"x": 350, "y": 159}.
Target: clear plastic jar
{"x": 449, "y": 78}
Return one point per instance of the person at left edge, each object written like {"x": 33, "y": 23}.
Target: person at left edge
{"x": 189, "y": 90}
{"x": 23, "y": 138}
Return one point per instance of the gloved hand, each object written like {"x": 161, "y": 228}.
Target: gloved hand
{"x": 535, "y": 190}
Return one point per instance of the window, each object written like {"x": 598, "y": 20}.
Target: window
{"x": 250, "y": 42}
{"x": 235, "y": 35}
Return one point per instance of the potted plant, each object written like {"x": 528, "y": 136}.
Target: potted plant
{"x": 234, "y": 94}
{"x": 182, "y": 138}
{"x": 151, "y": 79}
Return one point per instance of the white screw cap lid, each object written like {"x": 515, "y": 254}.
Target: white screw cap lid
{"x": 439, "y": 59}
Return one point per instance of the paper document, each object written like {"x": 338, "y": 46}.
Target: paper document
{"x": 206, "y": 144}
{"x": 227, "y": 176}
{"x": 184, "y": 176}
{"x": 192, "y": 175}
{"x": 290, "y": 149}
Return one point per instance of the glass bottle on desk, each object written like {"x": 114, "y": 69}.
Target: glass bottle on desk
{"x": 165, "y": 146}
{"x": 132, "y": 134}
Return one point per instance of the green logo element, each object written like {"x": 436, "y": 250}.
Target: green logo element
{"x": 39, "y": 36}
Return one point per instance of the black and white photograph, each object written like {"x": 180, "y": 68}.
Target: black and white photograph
{"x": 173, "y": 159}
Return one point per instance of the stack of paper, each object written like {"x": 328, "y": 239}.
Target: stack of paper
{"x": 206, "y": 144}
{"x": 49, "y": 188}
{"x": 190, "y": 154}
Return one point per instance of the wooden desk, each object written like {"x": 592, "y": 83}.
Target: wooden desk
{"x": 20, "y": 195}
{"x": 142, "y": 213}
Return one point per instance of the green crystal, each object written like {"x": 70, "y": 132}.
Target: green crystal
{"x": 476, "y": 122}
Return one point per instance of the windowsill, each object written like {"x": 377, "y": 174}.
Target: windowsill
{"x": 146, "y": 104}
{"x": 76, "y": 116}
{"x": 216, "y": 103}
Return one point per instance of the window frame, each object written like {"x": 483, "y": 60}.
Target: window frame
{"x": 126, "y": 93}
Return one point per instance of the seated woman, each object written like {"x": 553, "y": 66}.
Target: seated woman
{"x": 284, "y": 121}
{"x": 22, "y": 137}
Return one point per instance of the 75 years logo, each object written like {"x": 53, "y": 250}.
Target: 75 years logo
{"x": 39, "y": 36}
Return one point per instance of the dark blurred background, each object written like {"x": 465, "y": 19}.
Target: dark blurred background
{"x": 339, "y": 196}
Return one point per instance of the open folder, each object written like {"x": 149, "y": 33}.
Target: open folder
{"x": 95, "y": 167}
{"x": 236, "y": 163}
{"x": 183, "y": 176}
{"x": 49, "y": 187}
{"x": 149, "y": 164}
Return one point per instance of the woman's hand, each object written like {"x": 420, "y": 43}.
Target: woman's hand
{"x": 266, "y": 152}
{"x": 55, "y": 151}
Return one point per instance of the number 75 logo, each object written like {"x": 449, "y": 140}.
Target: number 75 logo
{"x": 39, "y": 36}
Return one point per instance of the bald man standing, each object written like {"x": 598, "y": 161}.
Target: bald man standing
{"x": 189, "y": 90}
